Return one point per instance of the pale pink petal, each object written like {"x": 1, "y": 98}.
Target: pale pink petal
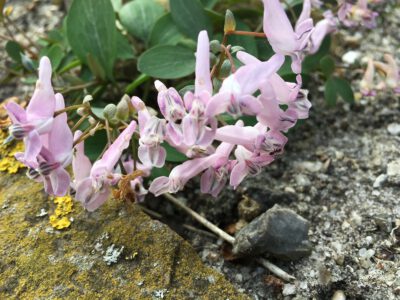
{"x": 33, "y": 146}
{"x": 81, "y": 164}
{"x": 277, "y": 27}
{"x": 114, "y": 152}
{"x": 305, "y": 13}
{"x": 203, "y": 77}
{"x": 16, "y": 113}
{"x": 239, "y": 172}
{"x": 60, "y": 181}
{"x": 159, "y": 186}
{"x": 42, "y": 104}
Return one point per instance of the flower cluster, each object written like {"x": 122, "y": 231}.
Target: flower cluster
{"x": 192, "y": 123}
{"x": 390, "y": 79}
{"x": 353, "y": 13}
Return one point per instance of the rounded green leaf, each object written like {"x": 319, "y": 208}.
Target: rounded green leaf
{"x": 14, "y": 50}
{"x": 91, "y": 32}
{"x": 139, "y": 17}
{"x": 165, "y": 32}
{"x": 190, "y": 17}
{"x": 167, "y": 62}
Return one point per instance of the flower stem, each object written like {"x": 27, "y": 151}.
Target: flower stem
{"x": 248, "y": 33}
{"x": 222, "y": 234}
{"x": 69, "y": 108}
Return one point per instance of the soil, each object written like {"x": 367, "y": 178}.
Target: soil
{"x": 328, "y": 174}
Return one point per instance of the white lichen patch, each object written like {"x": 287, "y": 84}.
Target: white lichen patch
{"x": 42, "y": 213}
{"x": 160, "y": 294}
{"x": 112, "y": 254}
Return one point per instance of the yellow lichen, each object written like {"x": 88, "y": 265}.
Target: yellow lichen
{"x": 59, "y": 219}
{"x": 8, "y": 163}
{"x": 59, "y": 223}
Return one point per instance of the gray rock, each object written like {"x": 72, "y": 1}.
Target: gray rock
{"x": 279, "y": 232}
{"x": 379, "y": 181}
{"x": 393, "y": 171}
{"x": 394, "y": 128}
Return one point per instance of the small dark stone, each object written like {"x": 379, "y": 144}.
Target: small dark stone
{"x": 279, "y": 232}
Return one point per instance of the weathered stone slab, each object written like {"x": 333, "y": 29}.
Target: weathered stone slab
{"x": 82, "y": 262}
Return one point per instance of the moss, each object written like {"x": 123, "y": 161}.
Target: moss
{"x": 37, "y": 262}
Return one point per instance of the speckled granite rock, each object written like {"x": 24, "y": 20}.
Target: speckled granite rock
{"x": 114, "y": 253}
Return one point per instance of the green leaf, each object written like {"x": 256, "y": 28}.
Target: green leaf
{"x": 209, "y": 3}
{"x": 311, "y": 62}
{"x": 167, "y": 62}
{"x": 158, "y": 172}
{"x": 335, "y": 87}
{"x": 55, "y": 54}
{"x": 247, "y": 42}
{"x": 125, "y": 50}
{"x": 91, "y": 30}
{"x": 14, "y": 50}
{"x": 165, "y": 32}
{"x": 330, "y": 92}
{"x": 139, "y": 17}
{"x": 94, "y": 145}
{"x": 95, "y": 67}
{"x": 327, "y": 65}
{"x": 190, "y": 17}
{"x": 344, "y": 90}
{"x": 117, "y": 4}
{"x": 174, "y": 155}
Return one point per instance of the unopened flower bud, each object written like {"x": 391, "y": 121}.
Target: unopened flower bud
{"x": 225, "y": 68}
{"x": 87, "y": 99}
{"x": 235, "y": 49}
{"x": 122, "y": 112}
{"x": 109, "y": 111}
{"x": 230, "y": 22}
{"x": 215, "y": 46}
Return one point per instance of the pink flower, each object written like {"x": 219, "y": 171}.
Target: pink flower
{"x": 215, "y": 177}
{"x": 367, "y": 85}
{"x": 280, "y": 34}
{"x": 322, "y": 29}
{"x": 236, "y": 93}
{"x": 93, "y": 183}
{"x": 257, "y": 139}
{"x": 152, "y": 134}
{"x": 392, "y": 72}
{"x": 248, "y": 163}
{"x": 181, "y": 174}
{"x": 275, "y": 92}
{"x": 188, "y": 128}
{"x": 356, "y": 14}
{"x": 38, "y": 117}
{"x": 54, "y": 156}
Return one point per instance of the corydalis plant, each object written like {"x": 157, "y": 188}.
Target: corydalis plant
{"x": 191, "y": 123}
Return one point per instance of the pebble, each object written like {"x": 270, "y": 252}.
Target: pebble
{"x": 393, "y": 171}
{"x": 289, "y": 289}
{"x": 310, "y": 166}
{"x": 279, "y": 232}
{"x": 339, "y": 295}
{"x": 302, "y": 180}
{"x": 379, "y": 181}
{"x": 351, "y": 57}
{"x": 394, "y": 128}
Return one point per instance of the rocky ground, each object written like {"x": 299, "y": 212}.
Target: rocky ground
{"x": 341, "y": 172}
